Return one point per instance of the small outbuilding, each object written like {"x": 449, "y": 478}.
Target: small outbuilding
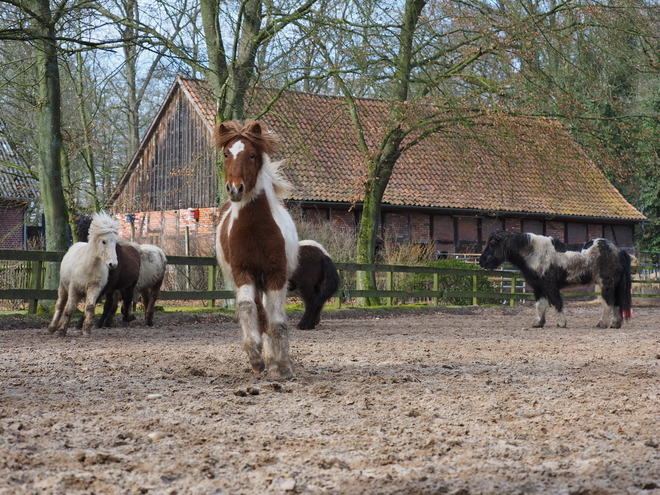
{"x": 453, "y": 188}
{"x": 17, "y": 191}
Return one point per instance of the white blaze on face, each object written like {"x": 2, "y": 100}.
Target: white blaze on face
{"x": 236, "y": 148}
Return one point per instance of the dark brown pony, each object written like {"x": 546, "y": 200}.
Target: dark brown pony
{"x": 120, "y": 285}
{"x": 257, "y": 243}
{"x": 315, "y": 280}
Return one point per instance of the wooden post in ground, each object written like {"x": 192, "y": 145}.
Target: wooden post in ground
{"x": 36, "y": 285}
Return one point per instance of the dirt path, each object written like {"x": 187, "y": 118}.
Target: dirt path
{"x": 456, "y": 401}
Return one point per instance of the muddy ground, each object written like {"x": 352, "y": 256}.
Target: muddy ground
{"x": 456, "y": 401}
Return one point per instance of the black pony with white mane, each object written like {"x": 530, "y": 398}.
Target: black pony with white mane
{"x": 549, "y": 265}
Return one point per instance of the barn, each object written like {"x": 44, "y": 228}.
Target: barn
{"x": 453, "y": 189}
{"x": 17, "y": 191}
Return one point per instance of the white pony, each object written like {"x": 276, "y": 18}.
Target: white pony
{"x": 84, "y": 273}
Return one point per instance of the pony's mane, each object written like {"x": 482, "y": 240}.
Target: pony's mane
{"x": 254, "y": 131}
{"x": 102, "y": 224}
{"x": 281, "y": 185}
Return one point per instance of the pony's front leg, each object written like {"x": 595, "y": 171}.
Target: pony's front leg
{"x": 541, "y": 305}
{"x": 62, "y": 298}
{"x": 69, "y": 309}
{"x": 248, "y": 317}
{"x": 90, "y": 305}
{"x": 276, "y": 344}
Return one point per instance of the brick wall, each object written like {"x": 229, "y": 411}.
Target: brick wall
{"x": 577, "y": 233}
{"x": 555, "y": 229}
{"x": 11, "y": 227}
{"x": 513, "y": 224}
{"x": 167, "y": 229}
{"x": 533, "y": 226}
{"x": 595, "y": 231}
{"x": 488, "y": 226}
{"x": 421, "y": 227}
{"x": 396, "y": 226}
{"x": 443, "y": 228}
{"x": 317, "y": 215}
{"x": 343, "y": 219}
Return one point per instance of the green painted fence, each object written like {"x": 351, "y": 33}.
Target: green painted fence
{"x": 37, "y": 259}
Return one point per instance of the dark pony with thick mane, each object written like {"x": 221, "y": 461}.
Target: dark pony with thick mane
{"x": 315, "y": 280}
{"x": 257, "y": 243}
{"x": 549, "y": 265}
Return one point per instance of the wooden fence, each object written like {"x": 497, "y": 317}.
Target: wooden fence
{"x": 505, "y": 279}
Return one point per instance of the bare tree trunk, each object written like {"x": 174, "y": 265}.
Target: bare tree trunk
{"x": 50, "y": 139}
{"x": 381, "y": 164}
{"x": 130, "y": 55}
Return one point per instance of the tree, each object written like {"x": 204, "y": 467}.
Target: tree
{"x": 41, "y": 30}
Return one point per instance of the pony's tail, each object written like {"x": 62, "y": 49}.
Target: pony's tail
{"x": 623, "y": 291}
{"x": 330, "y": 281}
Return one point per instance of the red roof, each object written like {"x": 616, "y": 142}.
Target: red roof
{"x": 492, "y": 164}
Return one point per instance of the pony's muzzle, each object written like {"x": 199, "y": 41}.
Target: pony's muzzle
{"x": 112, "y": 265}
{"x": 235, "y": 193}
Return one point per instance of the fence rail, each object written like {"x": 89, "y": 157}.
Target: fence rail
{"x": 505, "y": 277}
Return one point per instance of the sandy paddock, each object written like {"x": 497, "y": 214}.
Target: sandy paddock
{"x": 456, "y": 401}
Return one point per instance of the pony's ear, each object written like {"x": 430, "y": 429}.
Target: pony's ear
{"x": 224, "y": 132}
{"x": 253, "y": 127}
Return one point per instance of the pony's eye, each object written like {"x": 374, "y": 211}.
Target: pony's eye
{"x": 253, "y": 156}
{"x": 226, "y": 155}
{"x": 103, "y": 242}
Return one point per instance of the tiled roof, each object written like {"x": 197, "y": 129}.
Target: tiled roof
{"x": 491, "y": 164}
{"x": 15, "y": 184}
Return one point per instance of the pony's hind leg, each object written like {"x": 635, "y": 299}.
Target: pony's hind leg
{"x": 276, "y": 346}
{"x": 127, "y": 305}
{"x": 617, "y": 317}
{"x": 248, "y": 317}
{"x": 610, "y": 312}
{"x": 541, "y": 305}
{"x": 558, "y": 303}
{"x": 62, "y": 297}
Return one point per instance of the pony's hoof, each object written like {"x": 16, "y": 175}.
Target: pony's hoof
{"x": 538, "y": 324}
{"x": 279, "y": 374}
{"x": 51, "y": 329}
{"x": 257, "y": 367}
{"x": 61, "y": 333}
{"x": 602, "y": 324}
{"x": 616, "y": 324}
{"x": 561, "y": 325}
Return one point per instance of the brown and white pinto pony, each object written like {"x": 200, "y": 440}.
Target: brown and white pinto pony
{"x": 257, "y": 243}
{"x": 549, "y": 265}
{"x": 315, "y": 280}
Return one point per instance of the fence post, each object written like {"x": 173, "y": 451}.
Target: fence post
{"x": 436, "y": 286}
{"x": 338, "y": 302}
{"x": 213, "y": 275}
{"x": 474, "y": 289}
{"x": 512, "y": 301}
{"x": 36, "y": 285}
{"x": 390, "y": 286}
